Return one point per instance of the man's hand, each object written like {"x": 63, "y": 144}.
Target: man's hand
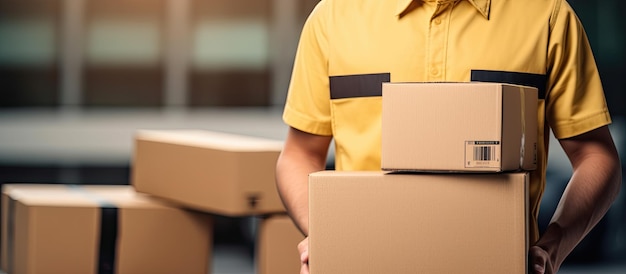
{"x": 303, "y": 248}
{"x": 539, "y": 261}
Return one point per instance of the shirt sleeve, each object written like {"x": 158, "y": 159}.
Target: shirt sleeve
{"x": 575, "y": 102}
{"x": 308, "y": 100}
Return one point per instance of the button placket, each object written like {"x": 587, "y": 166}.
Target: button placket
{"x": 438, "y": 42}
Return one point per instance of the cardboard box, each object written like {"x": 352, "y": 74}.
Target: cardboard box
{"x": 99, "y": 229}
{"x": 371, "y": 222}
{"x": 278, "y": 246}
{"x": 221, "y": 173}
{"x": 465, "y": 127}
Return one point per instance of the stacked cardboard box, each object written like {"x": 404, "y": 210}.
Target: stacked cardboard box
{"x": 373, "y": 222}
{"x": 453, "y": 194}
{"x": 99, "y": 229}
{"x": 459, "y": 127}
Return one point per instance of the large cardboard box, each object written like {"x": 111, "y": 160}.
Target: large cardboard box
{"x": 99, "y": 229}
{"x": 372, "y": 222}
{"x": 465, "y": 127}
{"x": 278, "y": 246}
{"x": 226, "y": 174}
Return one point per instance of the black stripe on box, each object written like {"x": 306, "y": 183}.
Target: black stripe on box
{"x": 108, "y": 239}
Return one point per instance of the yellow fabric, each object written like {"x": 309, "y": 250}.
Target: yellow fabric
{"x": 441, "y": 40}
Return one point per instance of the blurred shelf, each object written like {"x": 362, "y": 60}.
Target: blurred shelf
{"x": 105, "y": 136}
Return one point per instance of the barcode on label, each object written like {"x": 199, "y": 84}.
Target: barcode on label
{"x": 484, "y": 153}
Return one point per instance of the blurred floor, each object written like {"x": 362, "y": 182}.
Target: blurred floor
{"x": 232, "y": 259}
{"x": 595, "y": 269}
{"x": 236, "y": 259}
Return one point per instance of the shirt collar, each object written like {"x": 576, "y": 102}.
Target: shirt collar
{"x": 481, "y": 5}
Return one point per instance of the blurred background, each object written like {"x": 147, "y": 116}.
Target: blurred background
{"x": 78, "y": 77}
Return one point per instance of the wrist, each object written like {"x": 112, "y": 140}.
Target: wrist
{"x": 552, "y": 241}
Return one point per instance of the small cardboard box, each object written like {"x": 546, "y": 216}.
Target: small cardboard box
{"x": 226, "y": 174}
{"x": 459, "y": 127}
{"x": 99, "y": 229}
{"x": 372, "y": 222}
{"x": 278, "y": 246}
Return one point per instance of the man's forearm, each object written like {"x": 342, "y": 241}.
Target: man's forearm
{"x": 292, "y": 181}
{"x": 592, "y": 189}
{"x": 303, "y": 154}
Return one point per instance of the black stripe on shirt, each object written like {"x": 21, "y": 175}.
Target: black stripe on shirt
{"x": 359, "y": 85}
{"x": 538, "y": 81}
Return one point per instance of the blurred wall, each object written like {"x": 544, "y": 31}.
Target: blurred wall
{"x": 195, "y": 53}
{"x": 147, "y": 53}
{"x": 606, "y": 27}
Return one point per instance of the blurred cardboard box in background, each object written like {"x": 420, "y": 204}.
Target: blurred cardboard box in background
{"x": 226, "y": 174}
{"x": 278, "y": 246}
{"x": 89, "y": 229}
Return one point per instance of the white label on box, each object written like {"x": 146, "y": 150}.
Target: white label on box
{"x": 482, "y": 154}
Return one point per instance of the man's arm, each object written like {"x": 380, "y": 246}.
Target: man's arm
{"x": 302, "y": 154}
{"x": 594, "y": 185}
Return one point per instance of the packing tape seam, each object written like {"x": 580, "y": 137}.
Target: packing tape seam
{"x": 523, "y": 114}
{"x": 108, "y": 230}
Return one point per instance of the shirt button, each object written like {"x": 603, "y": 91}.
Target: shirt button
{"x": 434, "y": 71}
{"x": 437, "y": 21}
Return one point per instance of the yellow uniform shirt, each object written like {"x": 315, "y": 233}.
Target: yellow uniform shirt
{"x": 349, "y": 47}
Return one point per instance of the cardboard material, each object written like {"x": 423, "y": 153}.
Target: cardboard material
{"x": 88, "y": 229}
{"x": 277, "y": 247}
{"x": 371, "y": 222}
{"x": 225, "y": 174}
{"x": 459, "y": 127}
